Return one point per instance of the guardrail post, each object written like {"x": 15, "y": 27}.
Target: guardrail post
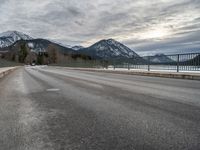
{"x": 178, "y": 59}
{"x": 148, "y": 63}
{"x": 198, "y": 62}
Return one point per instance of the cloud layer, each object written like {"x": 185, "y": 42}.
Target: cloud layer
{"x": 156, "y": 26}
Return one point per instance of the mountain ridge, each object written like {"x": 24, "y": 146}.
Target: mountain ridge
{"x": 106, "y": 48}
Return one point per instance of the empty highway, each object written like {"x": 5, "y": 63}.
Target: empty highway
{"x": 49, "y": 108}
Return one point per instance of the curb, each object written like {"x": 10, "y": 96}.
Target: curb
{"x": 145, "y": 73}
{"x": 6, "y": 72}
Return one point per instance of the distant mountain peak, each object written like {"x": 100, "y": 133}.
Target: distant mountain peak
{"x": 160, "y": 54}
{"x": 109, "y": 41}
{"x": 160, "y": 57}
{"x": 109, "y": 48}
{"x": 112, "y": 40}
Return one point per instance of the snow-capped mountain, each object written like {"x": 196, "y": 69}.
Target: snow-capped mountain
{"x": 11, "y": 40}
{"x": 37, "y": 45}
{"x": 109, "y": 49}
{"x": 76, "y": 48}
{"x": 10, "y": 37}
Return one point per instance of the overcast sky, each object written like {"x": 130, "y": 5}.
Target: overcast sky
{"x": 147, "y": 26}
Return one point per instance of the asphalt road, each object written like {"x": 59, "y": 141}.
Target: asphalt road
{"x": 59, "y": 109}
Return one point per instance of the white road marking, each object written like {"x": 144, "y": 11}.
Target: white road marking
{"x": 52, "y": 90}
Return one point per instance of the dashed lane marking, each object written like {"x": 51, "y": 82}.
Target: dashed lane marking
{"x": 52, "y": 90}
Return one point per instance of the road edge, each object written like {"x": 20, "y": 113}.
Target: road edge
{"x": 175, "y": 75}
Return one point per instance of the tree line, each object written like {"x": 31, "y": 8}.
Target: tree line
{"x": 50, "y": 55}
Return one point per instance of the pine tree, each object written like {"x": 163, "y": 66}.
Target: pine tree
{"x": 22, "y": 53}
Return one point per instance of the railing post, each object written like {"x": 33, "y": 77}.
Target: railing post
{"x": 178, "y": 57}
{"x": 148, "y": 63}
{"x": 198, "y": 62}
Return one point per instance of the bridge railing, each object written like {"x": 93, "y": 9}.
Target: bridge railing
{"x": 176, "y": 62}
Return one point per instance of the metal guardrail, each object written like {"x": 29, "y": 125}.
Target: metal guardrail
{"x": 177, "y": 62}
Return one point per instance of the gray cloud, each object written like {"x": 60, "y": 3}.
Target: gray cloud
{"x": 187, "y": 42}
{"x": 146, "y": 26}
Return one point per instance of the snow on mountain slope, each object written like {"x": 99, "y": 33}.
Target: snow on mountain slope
{"x": 10, "y": 37}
